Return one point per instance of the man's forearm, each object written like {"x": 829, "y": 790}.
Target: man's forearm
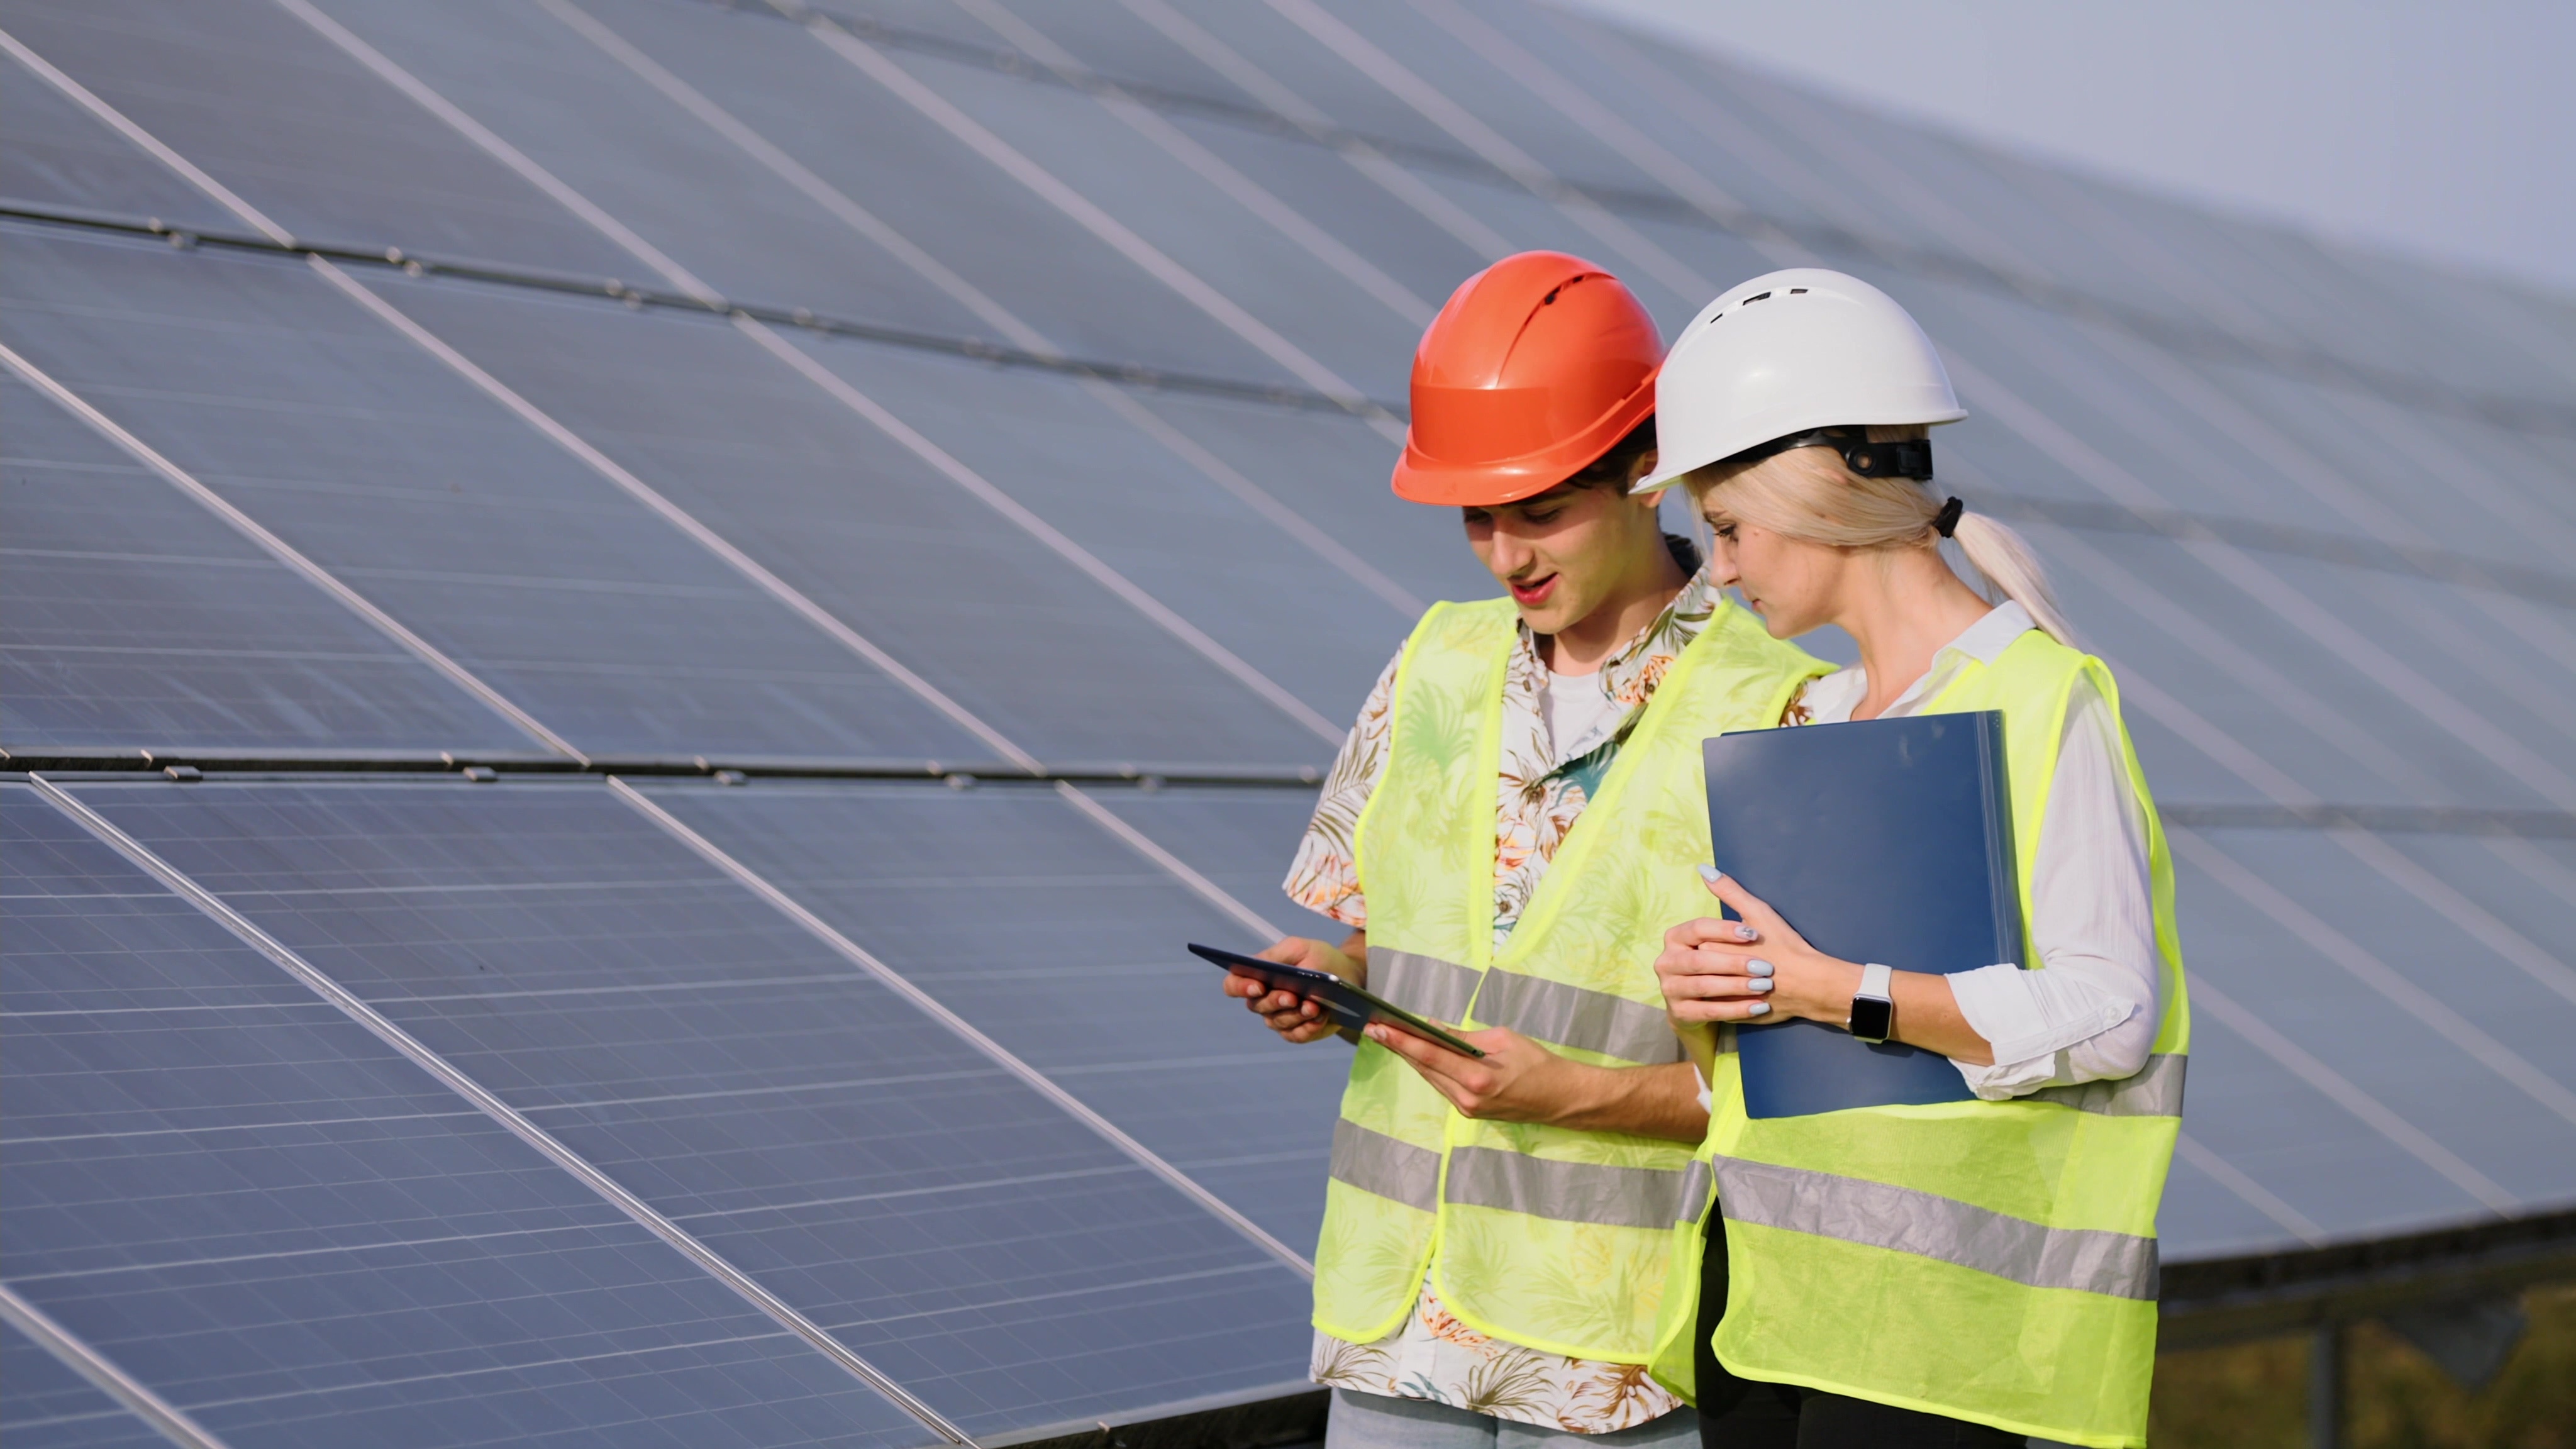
{"x": 1641, "y": 1101}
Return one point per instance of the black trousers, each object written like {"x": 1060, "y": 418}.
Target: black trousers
{"x": 1739, "y": 1413}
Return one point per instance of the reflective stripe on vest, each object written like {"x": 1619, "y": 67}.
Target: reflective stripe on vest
{"x": 1549, "y": 1011}
{"x": 1570, "y": 1192}
{"x": 1375, "y": 1162}
{"x": 1594, "y": 1021}
{"x": 1423, "y": 985}
{"x": 2156, "y": 1091}
{"x": 1927, "y": 1225}
{"x": 1694, "y": 1192}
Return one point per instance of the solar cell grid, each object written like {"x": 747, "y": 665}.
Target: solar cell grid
{"x": 1352, "y": 318}
{"x": 932, "y": 1213}
{"x": 1015, "y": 915}
{"x": 331, "y": 151}
{"x": 60, "y": 155}
{"x": 134, "y": 619}
{"x": 1073, "y": 287}
{"x": 284, "y": 1229}
{"x": 453, "y": 515}
{"x": 963, "y": 596}
{"x": 49, "y": 1406}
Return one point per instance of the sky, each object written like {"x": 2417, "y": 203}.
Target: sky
{"x": 2436, "y": 131}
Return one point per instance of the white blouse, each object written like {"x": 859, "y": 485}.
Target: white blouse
{"x": 2092, "y": 1014}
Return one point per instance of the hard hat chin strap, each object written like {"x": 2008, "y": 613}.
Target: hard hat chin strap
{"x": 1911, "y": 458}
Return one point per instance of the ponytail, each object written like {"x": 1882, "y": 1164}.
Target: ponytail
{"x": 2004, "y": 557}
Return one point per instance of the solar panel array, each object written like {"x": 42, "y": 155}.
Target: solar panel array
{"x": 884, "y": 401}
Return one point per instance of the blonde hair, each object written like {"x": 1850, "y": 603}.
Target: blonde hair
{"x": 1810, "y": 494}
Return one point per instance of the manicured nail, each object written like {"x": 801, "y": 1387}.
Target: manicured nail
{"x": 1759, "y": 983}
{"x": 1711, "y": 874}
{"x": 1747, "y": 933}
{"x": 1759, "y": 1008}
{"x": 1757, "y": 968}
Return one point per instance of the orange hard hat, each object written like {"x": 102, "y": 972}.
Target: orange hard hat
{"x": 1538, "y": 365}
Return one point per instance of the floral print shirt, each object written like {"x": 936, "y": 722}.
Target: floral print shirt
{"x": 1544, "y": 786}
{"x": 1544, "y": 783}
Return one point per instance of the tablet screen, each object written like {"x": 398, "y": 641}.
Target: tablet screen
{"x": 1348, "y": 1005}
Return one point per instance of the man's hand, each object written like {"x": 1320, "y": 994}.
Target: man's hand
{"x": 1294, "y": 1017}
{"x": 1518, "y": 1080}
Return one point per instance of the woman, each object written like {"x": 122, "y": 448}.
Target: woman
{"x": 1959, "y": 1274}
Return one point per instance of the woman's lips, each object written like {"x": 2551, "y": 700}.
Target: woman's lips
{"x": 1531, "y": 593}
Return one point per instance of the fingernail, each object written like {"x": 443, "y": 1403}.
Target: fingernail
{"x": 1759, "y": 983}
{"x": 1757, "y": 968}
{"x": 1746, "y": 933}
{"x": 1711, "y": 874}
{"x": 1759, "y": 1008}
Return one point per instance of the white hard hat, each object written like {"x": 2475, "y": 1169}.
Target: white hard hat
{"x": 1786, "y": 354}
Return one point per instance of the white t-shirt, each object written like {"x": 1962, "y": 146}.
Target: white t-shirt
{"x": 1578, "y": 709}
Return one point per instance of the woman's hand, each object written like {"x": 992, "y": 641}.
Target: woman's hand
{"x": 1754, "y": 969}
{"x": 1294, "y": 1017}
{"x": 1759, "y": 969}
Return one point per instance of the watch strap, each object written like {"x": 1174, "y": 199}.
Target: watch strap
{"x": 1875, "y": 980}
{"x": 1873, "y": 1008}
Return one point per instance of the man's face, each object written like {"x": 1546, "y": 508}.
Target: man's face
{"x": 1566, "y": 551}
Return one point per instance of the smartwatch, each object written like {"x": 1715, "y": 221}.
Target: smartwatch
{"x": 1873, "y": 1010}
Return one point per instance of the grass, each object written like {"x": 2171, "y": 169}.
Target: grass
{"x": 2254, "y": 1395}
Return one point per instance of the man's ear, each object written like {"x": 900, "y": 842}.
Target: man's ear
{"x": 1638, "y": 468}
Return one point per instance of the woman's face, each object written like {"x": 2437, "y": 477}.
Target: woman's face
{"x": 1791, "y": 583}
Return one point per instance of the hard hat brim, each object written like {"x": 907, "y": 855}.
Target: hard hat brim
{"x": 1672, "y": 470}
{"x": 1420, "y": 478}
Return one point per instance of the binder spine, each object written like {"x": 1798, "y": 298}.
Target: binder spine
{"x": 2001, "y": 849}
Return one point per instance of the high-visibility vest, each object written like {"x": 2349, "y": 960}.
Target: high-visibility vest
{"x": 1545, "y": 1236}
{"x": 1989, "y": 1261}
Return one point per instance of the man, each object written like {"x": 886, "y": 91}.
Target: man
{"x": 1496, "y": 1229}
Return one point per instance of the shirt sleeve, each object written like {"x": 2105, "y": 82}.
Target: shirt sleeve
{"x": 1324, "y": 877}
{"x": 2091, "y": 1013}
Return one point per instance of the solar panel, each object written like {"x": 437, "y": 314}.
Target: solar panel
{"x": 135, "y": 619}
{"x": 50, "y": 1406}
{"x": 1050, "y": 466}
{"x": 1066, "y": 948}
{"x": 295, "y": 1236}
{"x": 1060, "y": 664}
{"x": 928, "y": 1210}
{"x": 326, "y": 147}
{"x": 59, "y": 155}
{"x": 381, "y": 465}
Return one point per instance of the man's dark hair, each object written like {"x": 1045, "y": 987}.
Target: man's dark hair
{"x": 1612, "y": 467}
{"x": 1611, "y": 470}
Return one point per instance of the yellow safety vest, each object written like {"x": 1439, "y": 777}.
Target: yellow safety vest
{"x": 1545, "y": 1236}
{"x": 1989, "y": 1261}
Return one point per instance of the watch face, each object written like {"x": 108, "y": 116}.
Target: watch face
{"x": 1872, "y": 1018}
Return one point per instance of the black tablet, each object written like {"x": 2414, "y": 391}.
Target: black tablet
{"x": 1346, "y": 1004}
